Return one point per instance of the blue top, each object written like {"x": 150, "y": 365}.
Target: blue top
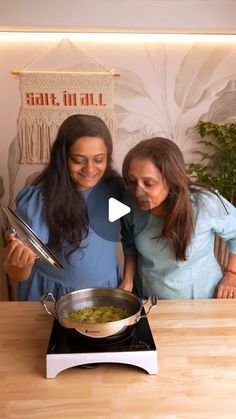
{"x": 158, "y": 271}
{"x": 93, "y": 266}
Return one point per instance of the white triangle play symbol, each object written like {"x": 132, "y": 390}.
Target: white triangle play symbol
{"x": 116, "y": 209}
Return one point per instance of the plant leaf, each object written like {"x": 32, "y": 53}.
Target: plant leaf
{"x": 194, "y": 73}
{"x": 31, "y": 178}
{"x": 212, "y": 90}
{"x": 158, "y": 60}
{"x": 129, "y": 85}
{"x": 118, "y": 109}
{"x": 223, "y": 108}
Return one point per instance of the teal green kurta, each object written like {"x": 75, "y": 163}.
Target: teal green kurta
{"x": 158, "y": 271}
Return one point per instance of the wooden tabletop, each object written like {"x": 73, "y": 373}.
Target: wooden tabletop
{"x": 196, "y": 345}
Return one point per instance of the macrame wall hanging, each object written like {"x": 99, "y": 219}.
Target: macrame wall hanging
{"x": 49, "y": 97}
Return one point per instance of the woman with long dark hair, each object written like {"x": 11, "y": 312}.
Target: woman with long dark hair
{"x": 67, "y": 207}
{"x": 169, "y": 235}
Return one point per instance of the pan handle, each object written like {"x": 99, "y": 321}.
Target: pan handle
{"x": 43, "y": 300}
{"x": 153, "y": 302}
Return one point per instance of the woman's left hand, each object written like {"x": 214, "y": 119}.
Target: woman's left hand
{"x": 227, "y": 286}
{"x": 126, "y": 285}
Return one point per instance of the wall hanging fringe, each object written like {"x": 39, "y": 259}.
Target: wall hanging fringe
{"x": 48, "y": 98}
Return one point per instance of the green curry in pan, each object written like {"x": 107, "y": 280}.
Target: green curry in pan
{"x": 100, "y": 314}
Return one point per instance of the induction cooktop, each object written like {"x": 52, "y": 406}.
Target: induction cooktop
{"x": 68, "y": 348}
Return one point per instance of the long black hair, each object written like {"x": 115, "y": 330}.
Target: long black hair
{"x": 65, "y": 208}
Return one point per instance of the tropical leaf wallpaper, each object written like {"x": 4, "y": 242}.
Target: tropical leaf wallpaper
{"x": 164, "y": 89}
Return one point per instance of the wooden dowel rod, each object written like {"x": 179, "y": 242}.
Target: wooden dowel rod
{"x": 19, "y": 72}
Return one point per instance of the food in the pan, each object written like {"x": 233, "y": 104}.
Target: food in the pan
{"x": 100, "y": 314}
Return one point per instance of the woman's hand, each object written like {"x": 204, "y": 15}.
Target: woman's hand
{"x": 227, "y": 286}
{"x": 126, "y": 285}
{"x": 128, "y": 272}
{"x": 18, "y": 258}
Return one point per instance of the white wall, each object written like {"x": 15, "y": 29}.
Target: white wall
{"x": 132, "y": 15}
{"x": 164, "y": 88}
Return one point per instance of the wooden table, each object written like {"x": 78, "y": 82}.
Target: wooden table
{"x": 196, "y": 343}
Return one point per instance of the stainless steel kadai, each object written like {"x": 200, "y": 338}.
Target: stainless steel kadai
{"x": 93, "y": 297}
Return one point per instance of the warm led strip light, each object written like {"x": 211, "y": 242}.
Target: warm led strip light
{"x": 109, "y": 37}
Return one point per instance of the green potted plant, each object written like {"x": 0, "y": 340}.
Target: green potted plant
{"x": 217, "y": 165}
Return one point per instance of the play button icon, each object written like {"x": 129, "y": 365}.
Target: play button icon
{"x": 116, "y": 209}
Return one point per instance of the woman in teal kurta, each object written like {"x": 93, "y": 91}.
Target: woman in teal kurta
{"x": 169, "y": 234}
{"x": 67, "y": 207}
